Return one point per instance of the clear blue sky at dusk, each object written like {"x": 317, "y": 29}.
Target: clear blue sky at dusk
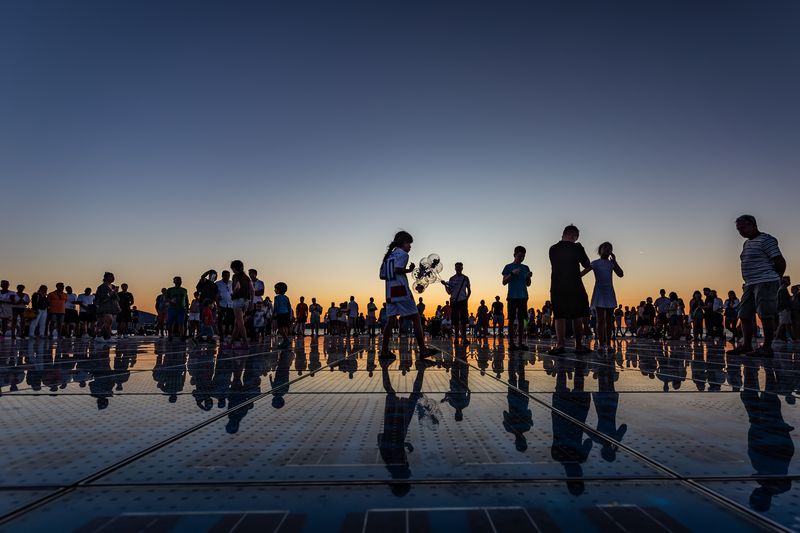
{"x": 157, "y": 138}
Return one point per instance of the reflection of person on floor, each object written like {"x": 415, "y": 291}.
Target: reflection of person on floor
{"x": 102, "y": 386}
{"x": 314, "y": 362}
{"x": 699, "y": 370}
{"x": 606, "y": 403}
{"x": 671, "y": 369}
{"x": 223, "y": 374}
{"x": 301, "y": 360}
{"x": 280, "y": 383}
{"x": 715, "y": 371}
{"x": 35, "y": 363}
{"x": 201, "y": 374}
{"x": 459, "y": 394}
{"x": 371, "y": 365}
{"x": 519, "y": 418}
{"x": 483, "y": 358}
{"x": 245, "y": 385}
{"x": 498, "y": 359}
{"x": 397, "y": 415}
{"x": 733, "y": 372}
{"x": 769, "y": 443}
{"x": 124, "y": 359}
{"x": 569, "y": 448}
{"x": 170, "y": 375}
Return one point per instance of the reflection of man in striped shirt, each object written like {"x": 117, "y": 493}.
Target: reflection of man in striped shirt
{"x": 762, "y": 268}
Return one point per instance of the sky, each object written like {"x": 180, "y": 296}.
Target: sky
{"x": 154, "y": 139}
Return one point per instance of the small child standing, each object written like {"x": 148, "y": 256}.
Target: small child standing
{"x": 259, "y": 322}
{"x": 194, "y": 316}
{"x": 282, "y": 309}
{"x": 207, "y": 321}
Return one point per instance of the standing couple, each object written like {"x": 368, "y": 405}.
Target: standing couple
{"x": 568, "y": 295}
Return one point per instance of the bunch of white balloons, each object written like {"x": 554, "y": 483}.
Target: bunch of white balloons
{"x": 427, "y": 272}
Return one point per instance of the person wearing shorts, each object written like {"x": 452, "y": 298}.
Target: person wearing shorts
{"x": 567, "y": 293}
{"x": 56, "y": 302}
{"x": 178, "y": 305}
{"x": 301, "y": 315}
{"x": 372, "y": 319}
{"x": 762, "y": 266}
{"x": 315, "y": 310}
{"x": 459, "y": 289}
{"x": 282, "y": 308}
{"x": 241, "y": 299}
{"x": 70, "y": 312}
{"x": 352, "y": 316}
{"x": 518, "y": 278}
{"x": 87, "y": 314}
{"x": 126, "y": 301}
{"x": 498, "y": 318}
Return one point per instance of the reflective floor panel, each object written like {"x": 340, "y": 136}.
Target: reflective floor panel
{"x": 145, "y": 434}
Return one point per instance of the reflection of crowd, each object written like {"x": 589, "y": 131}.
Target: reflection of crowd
{"x": 230, "y": 381}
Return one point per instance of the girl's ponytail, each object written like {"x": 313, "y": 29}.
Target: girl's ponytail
{"x": 389, "y": 249}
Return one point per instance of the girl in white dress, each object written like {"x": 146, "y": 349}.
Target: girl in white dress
{"x": 604, "y": 299}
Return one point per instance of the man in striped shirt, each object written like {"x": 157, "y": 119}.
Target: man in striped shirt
{"x": 762, "y": 268}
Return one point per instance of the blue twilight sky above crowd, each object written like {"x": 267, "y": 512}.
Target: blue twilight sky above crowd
{"x": 155, "y": 138}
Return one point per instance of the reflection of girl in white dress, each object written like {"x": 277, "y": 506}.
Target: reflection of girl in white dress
{"x": 604, "y": 299}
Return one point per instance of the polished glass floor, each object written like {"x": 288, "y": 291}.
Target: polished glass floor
{"x": 149, "y": 435}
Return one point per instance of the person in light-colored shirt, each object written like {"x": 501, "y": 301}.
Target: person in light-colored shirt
{"x": 763, "y": 266}
{"x": 352, "y": 315}
{"x": 225, "y": 304}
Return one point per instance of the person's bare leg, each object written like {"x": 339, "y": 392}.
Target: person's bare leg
{"x": 577, "y": 326}
{"x": 601, "y": 327}
{"x": 561, "y": 332}
{"x": 419, "y": 333}
{"x": 387, "y": 335}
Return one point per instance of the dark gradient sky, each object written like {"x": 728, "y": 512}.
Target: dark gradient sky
{"x": 157, "y": 138}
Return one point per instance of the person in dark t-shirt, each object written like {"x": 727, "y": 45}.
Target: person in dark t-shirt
{"x": 567, "y": 293}
{"x": 497, "y": 316}
{"x": 124, "y": 316}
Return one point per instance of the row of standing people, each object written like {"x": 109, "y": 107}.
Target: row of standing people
{"x": 765, "y": 294}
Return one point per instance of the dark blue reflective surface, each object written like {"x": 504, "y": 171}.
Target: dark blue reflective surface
{"x": 177, "y": 436}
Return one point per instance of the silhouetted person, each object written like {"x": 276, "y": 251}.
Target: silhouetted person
{"x": 567, "y": 294}
{"x": 763, "y": 266}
